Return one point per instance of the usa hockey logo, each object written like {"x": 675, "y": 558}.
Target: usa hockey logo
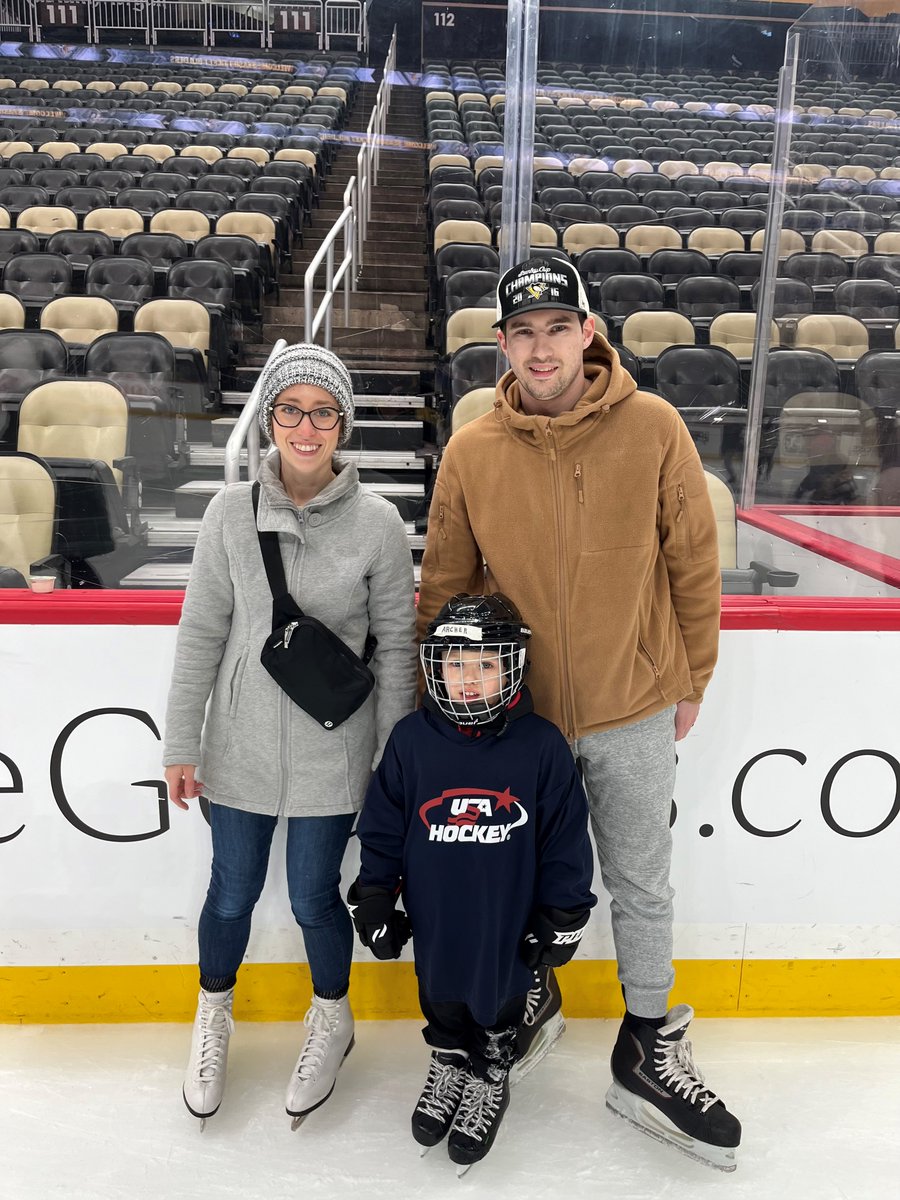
{"x": 472, "y": 815}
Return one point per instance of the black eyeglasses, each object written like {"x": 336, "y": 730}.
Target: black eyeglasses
{"x": 288, "y": 416}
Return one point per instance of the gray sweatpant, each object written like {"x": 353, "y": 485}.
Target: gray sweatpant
{"x": 629, "y": 777}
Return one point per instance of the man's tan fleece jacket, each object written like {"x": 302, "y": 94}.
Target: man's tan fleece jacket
{"x": 597, "y": 524}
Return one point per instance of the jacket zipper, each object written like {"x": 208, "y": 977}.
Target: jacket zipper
{"x": 680, "y": 505}
{"x": 651, "y": 661}
{"x": 578, "y": 483}
{"x": 568, "y": 703}
{"x": 441, "y": 530}
{"x": 684, "y": 516}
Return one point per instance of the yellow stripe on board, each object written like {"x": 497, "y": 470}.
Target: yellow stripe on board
{"x": 380, "y": 991}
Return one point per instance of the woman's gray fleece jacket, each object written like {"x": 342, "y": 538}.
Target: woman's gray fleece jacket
{"x": 347, "y": 561}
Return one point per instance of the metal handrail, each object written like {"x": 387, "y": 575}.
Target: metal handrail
{"x": 354, "y": 219}
{"x": 247, "y": 429}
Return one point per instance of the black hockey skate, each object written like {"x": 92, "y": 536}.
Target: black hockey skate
{"x": 542, "y": 1024}
{"x": 659, "y": 1090}
{"x": 440, "y": 1097}
{"x": 477, "y": 1120}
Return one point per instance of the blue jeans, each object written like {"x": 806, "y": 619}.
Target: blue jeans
{"x": 315, "y": 849}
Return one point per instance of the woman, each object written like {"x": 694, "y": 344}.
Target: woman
{"x": 347, "y": 561}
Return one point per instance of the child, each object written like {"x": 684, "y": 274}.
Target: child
{"x": 476, "y": 814}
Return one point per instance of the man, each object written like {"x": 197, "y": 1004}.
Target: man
{"x": 584, "y": 500}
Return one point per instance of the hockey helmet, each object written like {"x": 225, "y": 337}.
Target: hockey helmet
{"x": 473, "y": 657}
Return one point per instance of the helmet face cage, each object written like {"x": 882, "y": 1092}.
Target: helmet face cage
{"x": 472, "y": 682}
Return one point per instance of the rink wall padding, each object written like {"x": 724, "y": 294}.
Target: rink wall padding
{"x": 786, "y": 828}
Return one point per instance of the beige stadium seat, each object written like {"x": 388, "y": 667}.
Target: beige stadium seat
{"x": 726, "y": 520}
{"x": 75, "y": 418}
{"x": 591, "y": 235}
{"x": 860, "y": 174}
{"x": 761, "y": 110}
{"x": 138, "y": 86}
{"x": 841, "y": 336}
{"x": 267, "y": 89}
{"x": 473, "y": 404}
{"x": 461, "y": 231}
{"x": 476, "y": 96}
{"x": 58, "y": 150}
{"x": 6, "y": 84}
{"x": 696, "y": 106}
{"x": 645, "y": 239}
{"x": 209, "y": 154}
{"x": 888, "y": 242}
{"x": 183, "y": 323}
{"x": 34, "y": 85}
{"x": 331, "y": 89}
{"x": 542, "y": 234}
{"x": 155, "y": 150}
{"x": 623, "y": 167}
{"x": 483, "y": 161}
{"x": 760, "y": 170}
{"x": 820, "y": 110}
{"x": 851, "y": 112}
{"x": 887, "y": 114}
{"x": 302, "y": 156}
{"x": 438, "y": 96}
{"x": 169, "y": 86}
{"x": 68, "y": 85}
{"x": 300, "y": 89}
{"x": 602, "y": 102}
{"x": 187, "y": 223}
{"x": 789, "y": 242}
{"x": 103, "y": 86}
{"x": 107, "y": 150}
{"x": 204, "y": 89}
{"x": 571, "y": 102}
{"x": 115, "y": 222}
{"x": 8, "y": 149}
{"x": 889, "y": 173}
{"x": 80, "y": 320}
{"x": 676, "y": 167}
{"x": 5, "y": 222}
{"x": 714, "y": 241}
{"x": 254, "y": 153}
{"x": 258, "y": 226}
{"x": 811, "y": 171}
{"x": 578, "y": 166}
{"x": 27, "y": 512}
{"x": 444, "y": 160}
{"x": 233, "y": 89}
{"x": 546, "y": 163}
{"x": 736, "y": 333}
{"x": 845, "y": 242}
{"x": 47, "y": 218}
{"x": 664, "y": 105}
{"x": 647, "y": 334}
{"x": 12, "y": 314}
{"x": 629, "y": 102}
{"x": 469, "y": 325}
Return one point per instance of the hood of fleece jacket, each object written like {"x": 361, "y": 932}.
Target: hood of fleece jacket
{"x": 609, "y": 383}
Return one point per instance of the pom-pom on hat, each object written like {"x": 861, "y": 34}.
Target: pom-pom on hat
{"x": 311, "y": 364}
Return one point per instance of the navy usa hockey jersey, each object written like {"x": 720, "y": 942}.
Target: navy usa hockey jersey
{"x": 479, "y": 830}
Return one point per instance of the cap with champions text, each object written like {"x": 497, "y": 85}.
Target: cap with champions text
{"x": 535, "y": 284}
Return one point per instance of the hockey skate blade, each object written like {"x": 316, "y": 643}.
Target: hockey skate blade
{"x": 540, "y": 1048}
{"x": 299, "y": 1118}
{"x": 649, "y": 1120}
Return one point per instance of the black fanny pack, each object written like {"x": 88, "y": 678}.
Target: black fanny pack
{"x": 319, "y": 671}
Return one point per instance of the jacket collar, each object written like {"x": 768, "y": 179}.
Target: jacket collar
{"x": 608, "y": 384}
{"x": 277, "y": 511}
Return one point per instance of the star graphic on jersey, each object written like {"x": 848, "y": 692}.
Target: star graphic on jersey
{"x": 504, "y": 800}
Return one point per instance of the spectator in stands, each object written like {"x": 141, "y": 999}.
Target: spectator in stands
{"x": 587, "y": 502}
{"x": 347, "y": 561}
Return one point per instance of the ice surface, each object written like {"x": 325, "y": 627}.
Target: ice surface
{"x": 95, "y": 1113}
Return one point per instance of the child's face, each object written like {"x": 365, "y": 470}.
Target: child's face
{"x": 472, "y": 676}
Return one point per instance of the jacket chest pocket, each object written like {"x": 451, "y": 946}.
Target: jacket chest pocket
{"x": 611, "y": 515}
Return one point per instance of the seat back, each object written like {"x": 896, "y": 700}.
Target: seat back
{"x": 469, "y": 325}
{"x": 736, "y": 332}
{"x": 27, "y": 511}
{"x": 37, "y": 278}
{"x": 75, "y": 418}
{"x": 726, "y": 520}
{"x": 647, "y": 334}
{"x": 79, "y": 319}
{"x": 183, "y": 323}
{"x": 47, "y": 219}
{"x": 114, "y": 222}
{"x": 841, "y": 336}
{"x": 186, "y": 223}
{"x": 472, "y": 404}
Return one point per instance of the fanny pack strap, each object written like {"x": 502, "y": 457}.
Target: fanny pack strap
{"x": 271, "y": 556}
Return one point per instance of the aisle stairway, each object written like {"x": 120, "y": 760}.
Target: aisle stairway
{"x": 384, "y": 346}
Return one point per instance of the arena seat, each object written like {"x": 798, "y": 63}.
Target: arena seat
{"x": 699, "y": 377}
{"x": 79, "y": 320}
{"x": 469, "y": 325}
{"x": 27, "y": 514}
{"x": 36, "y": 278}
{"x": 736, "y": 332}
{"x": 470, "y": 406}
{"x": 702, "y": 297}
{"x": 842, "y": 337}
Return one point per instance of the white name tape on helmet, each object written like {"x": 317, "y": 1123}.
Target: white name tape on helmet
{"x": 472, "y": 633}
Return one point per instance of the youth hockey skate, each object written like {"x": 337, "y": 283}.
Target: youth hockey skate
{"x": 657, "y": 1088}
{"x": 204, "y": 1080}
{"x": 477, "y": 1120}
{"x": 328, "y": 1042}
{"x": 440, "y": 1098}
{"x": 542, "y": 1024}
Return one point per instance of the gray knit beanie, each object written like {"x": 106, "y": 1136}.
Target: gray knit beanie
{"x": 306, "y": 363}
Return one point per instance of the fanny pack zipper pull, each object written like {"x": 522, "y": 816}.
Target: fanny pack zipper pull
{"x": 288, "y": 634}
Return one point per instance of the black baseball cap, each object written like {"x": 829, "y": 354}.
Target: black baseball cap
{"x": 537, "y": 283}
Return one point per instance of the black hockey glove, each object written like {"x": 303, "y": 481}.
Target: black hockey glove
{"x": 553, "y": 937}
{"x": 381, "y": 926}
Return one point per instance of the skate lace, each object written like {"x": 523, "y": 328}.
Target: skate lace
{"x": 312, "y": 1056}
{"x": 442, "y": 1090}
{"x": 675, "y": 1064}
{"x": 533, "y": 1000}
{"x": 480, "y": 1105}
{"x": 216, "y": 1026}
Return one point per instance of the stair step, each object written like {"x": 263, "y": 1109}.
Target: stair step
{"x": 344, "y": 339}
{"x": 385, "y": 316}
{"x": 363, "y": 300}
{"x": 363, "y": 401}
{"x": 166, "y": 531}
{"x": 207, "y": 456}
{"x": 371, "y": 434}
{"x": 192, "y": 498}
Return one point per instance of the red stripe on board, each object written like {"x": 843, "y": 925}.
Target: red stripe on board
{"x": 883, "y": 567}
{"x": 164, "y": 608}
{"x": 830, "y": 510}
